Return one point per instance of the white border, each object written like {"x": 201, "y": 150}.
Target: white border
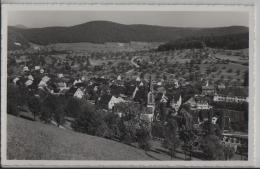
{"x": 128, "y": 7}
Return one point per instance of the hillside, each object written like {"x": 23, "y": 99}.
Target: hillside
{"x": 28, "y": 140}
{"x": 230, "y": 41}
{"x": 104, "y": 31}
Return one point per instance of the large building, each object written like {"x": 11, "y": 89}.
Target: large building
{"x": 232, "y": 95}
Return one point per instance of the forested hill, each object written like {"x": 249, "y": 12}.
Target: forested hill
{"x": 105, "y": 31}
{"x": 231, "y": 41}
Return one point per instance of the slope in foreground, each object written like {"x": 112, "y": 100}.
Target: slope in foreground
{"x": 27, "y": 140}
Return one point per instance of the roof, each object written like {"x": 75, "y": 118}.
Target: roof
{"x": 208, "y": 87}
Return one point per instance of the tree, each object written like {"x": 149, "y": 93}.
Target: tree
{"x": 143, "y": 136}
{"x": 246, "y": 78}
{"x": 59, "y": 115}
{"x": 34, "y": 106}
{"x": 52, "y": 107}
{"x": 73, "y": 107}
{"x": 13, "y": 98}
{"x": 90, "y": 121}
{"x": 113, "y": 122}
{"x": 132, "y": 128}
{"x": 171, "y": 140}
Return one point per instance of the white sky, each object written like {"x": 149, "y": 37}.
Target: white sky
{"x": 36, "y": 19}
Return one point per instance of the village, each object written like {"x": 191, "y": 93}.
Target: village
{"x": 161, "y": 86}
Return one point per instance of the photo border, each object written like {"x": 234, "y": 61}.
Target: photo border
{"x": 101, "y": 163}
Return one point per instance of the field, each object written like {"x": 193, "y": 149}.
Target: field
{"x": 35, "y": 141}
{"x": 106, "y": 47}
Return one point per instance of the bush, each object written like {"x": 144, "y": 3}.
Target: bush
{"x": 211, "y": 146}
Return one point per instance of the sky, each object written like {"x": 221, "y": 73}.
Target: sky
{"x": 38, "y": 19}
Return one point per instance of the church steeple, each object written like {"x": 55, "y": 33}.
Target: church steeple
{"x": 150, "y": 95}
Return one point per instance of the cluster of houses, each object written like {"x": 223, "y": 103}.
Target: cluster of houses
{"x": 106, "y": 92}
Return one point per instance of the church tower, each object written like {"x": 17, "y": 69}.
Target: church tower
{"x": 150, "y": 96}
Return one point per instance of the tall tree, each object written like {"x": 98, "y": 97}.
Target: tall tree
{"x": 171, "y": 140}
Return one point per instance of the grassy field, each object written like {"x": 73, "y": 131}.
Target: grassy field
{"x": 28, "y": 140}
{"x": 107, "y": 47}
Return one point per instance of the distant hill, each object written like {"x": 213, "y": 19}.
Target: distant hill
{"x": 29, "y": 140}
{"x": 105, "y": 31}
{"x": 20, "y": 26}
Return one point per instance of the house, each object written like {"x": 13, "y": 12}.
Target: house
{"x": 198, "y": 103}
{"x": 79, "y": 93}
{"x": 37, "y": 67}
{"x": 113, "y": 101}
{"x": 62, "y": 85}
{"x": 232, "y": 95}
{"x": 208, "y": 89}
{"x": 176, "y": 105}
{"x": 77, "y": 81}
{"x": 42, "y": 71}
{"x": 43, "y": 82}
{"x": 192, "y": 103}
{"x": 15, "y": 80}
{"x": 28, "y": 82}
{"x": 60, "y": 75}
{"x": 221, "y": 86}
{"x": 25, "y": 68}
{"x": 203, "y": 106}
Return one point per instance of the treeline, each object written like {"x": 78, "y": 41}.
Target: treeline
{"x": 231, "y": 41}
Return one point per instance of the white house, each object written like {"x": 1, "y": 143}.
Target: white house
{"x": 203, "y": 106}
{"x": 42, "y": 71}
{"x": 43, "y": 82}
{"x": 29, "y": 82}
{"x": 37, "y": 67}
{"x": 114, "y": 100}
{"x": 17, "y": 44}
{"x": 25, "y": 68}
{"x": 16, "y": 79}
{"x": 79, "y": 93}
